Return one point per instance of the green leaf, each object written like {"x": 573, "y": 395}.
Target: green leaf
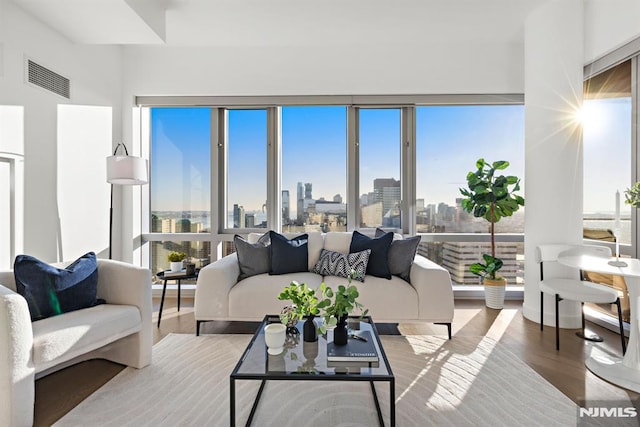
{"x": 500, "y": 164}
{"x": 480, "y": 163}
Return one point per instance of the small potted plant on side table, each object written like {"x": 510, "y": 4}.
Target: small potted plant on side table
{"x": 175, "y": 259}
{"x": 337, "y": 306}
{"x": 305, "y": 305}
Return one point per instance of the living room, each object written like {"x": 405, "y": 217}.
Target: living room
{"x": 125, "y": 59}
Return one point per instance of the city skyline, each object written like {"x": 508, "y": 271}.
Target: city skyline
{"x": 449, "y": 140}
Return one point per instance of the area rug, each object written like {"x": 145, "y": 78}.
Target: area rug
{"x": 466, "y": 381}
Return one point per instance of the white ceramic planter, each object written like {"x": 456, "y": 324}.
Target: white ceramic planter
{"x": 494, "y": 291}
{"x": 176, "y": 266}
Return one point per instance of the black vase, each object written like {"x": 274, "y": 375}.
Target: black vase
{"x": 309, "y": 333}
{"x": 340, "y": 331}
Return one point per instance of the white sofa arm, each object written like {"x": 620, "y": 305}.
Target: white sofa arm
{"x": 435, "y": 294}
{"x": 16, "y": 369}
{"x": 127, "y": 284}
{"x": 212, "y": 290}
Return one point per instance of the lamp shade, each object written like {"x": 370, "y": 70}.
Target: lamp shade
{"x": 127, "y": 170}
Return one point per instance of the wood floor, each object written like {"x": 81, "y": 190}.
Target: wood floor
{"x": 58, "y": 393}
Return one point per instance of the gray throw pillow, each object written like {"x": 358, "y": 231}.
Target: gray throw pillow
{"x": 401, "y": 254}
{"x": 338, "y": 264}
{"x": 253, "y": 258}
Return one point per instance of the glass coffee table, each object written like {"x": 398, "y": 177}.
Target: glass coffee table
{"x": 302, "y": 361}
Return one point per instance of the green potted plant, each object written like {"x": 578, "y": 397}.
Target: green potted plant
{"x": 337, "y": 305}
{"x": 305, "y": 305}
{"x": 492, "y": 197}
{"x": 175, "y": 259}
{"x": 632, "y": 195}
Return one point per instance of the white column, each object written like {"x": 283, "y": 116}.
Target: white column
{"x": 554, "y": 60}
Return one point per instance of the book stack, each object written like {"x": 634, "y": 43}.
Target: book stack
{"x": 361, "y": 349}
{"x": 168, "y": 273}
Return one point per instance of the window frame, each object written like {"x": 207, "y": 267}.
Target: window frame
{"x": 219, "y": 105}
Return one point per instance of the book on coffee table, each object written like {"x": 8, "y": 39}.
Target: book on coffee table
{"x": 356, "y": 350}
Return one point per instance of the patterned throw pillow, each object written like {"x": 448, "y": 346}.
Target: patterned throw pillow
{"x": 337, "y": 264}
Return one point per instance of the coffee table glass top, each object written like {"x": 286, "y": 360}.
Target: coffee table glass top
{"x": 301, "y": 358}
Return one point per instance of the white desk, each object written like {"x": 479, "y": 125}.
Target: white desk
{"x": 624, "y": 372}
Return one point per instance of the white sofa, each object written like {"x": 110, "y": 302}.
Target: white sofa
{"x": 428, "y": 298}
{"x": 119, "y": 331}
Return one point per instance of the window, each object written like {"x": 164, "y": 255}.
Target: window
{"x": 180, "y": 185}
{"x": 246, "y": 195}
{"x": 449, "y": 140}
{"x": 607, "y": 126}
{"x": 314, "y": 162}
{"x": 379, "y": 151}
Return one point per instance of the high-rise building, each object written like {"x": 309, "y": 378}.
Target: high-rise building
{"x": 387, "y": 191}
{"x": 307, "y": 190}
{"x": 300, "y": 204}
{"x": 250, "y": 220}
{"x": 285, "y": 206}
{"x": 337, "y": 198}
{"x": 168, "y": 225}
{"x": 238, "y": 216}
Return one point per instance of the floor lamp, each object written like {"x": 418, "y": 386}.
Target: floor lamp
{"x": 124, "y": 170}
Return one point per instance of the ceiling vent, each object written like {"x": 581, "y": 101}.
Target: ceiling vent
{"x": 47, "y": 79}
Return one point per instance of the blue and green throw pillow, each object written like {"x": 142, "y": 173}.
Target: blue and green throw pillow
{"x": 50, "y": 291}
{"x": 338, "y": 264}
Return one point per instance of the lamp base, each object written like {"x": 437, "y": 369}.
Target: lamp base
{"x": 618, "y": 263}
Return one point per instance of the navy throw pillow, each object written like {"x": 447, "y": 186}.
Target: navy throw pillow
{"x": 378, "y": 265}
{"x": 50, "y": 291}
{"x": 288, "y": 256}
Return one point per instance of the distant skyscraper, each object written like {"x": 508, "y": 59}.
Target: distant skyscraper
{"x": 285, "y": 206}
{"x": 183, "y": 226}
{"x": 250, "y": 220}
{"x": 337, "y": 198}
{"x": 307, "y": 190}
{"x": 238, "y": 216}
{"x": 300, "y": 203}
{"x": 168, "y": 225}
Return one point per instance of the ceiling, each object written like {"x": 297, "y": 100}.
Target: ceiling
{"x": 283, "y": 22}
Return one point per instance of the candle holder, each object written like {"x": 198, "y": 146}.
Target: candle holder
{"x": 617, "y": 262}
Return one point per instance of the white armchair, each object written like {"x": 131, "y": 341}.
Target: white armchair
{"x": 119, "y": 331}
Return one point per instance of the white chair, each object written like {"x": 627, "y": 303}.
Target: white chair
{"x": 575, "y": 289}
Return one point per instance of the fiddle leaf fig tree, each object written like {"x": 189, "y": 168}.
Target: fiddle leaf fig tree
{"x": 492, "y": 196}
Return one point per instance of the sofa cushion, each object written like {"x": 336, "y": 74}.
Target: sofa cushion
{"x": 288, "y": 256}
{"x": 51, "y": 291}
{"x": 401, "y": 254}
{"x": 61, "y": 338}
{"x": 387, "y": 300}
{"x": 253, "y": 258}
{"x": 378, "y": 265}
{"x": 339, "y": 264}
{"x": 314, "y": 244}
{"x": 252, "y": 298}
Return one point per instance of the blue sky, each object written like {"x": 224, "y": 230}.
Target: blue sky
{"x": 449, "y": 141}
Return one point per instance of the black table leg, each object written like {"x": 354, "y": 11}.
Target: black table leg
{"x": 375, "y": 400}
{"x": 392, "y": 402}
{"x": 179, "y": 280}
{"x": 232, "y": 402}
{"x": 164, "y": 290}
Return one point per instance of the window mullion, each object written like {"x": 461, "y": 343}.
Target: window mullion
{"x": 353, "y": 168}
{"x": 274, "y": 169}
{"x": 408, "y": 170}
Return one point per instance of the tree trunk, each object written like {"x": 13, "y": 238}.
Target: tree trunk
{"x": 493, "y": 240}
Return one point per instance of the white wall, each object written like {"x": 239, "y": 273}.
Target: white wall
{"x": 437, "y": 67}
{"x": 609, "y": 24}
{"x": 96, "y": 75}
{"x": 553, "y": 142}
